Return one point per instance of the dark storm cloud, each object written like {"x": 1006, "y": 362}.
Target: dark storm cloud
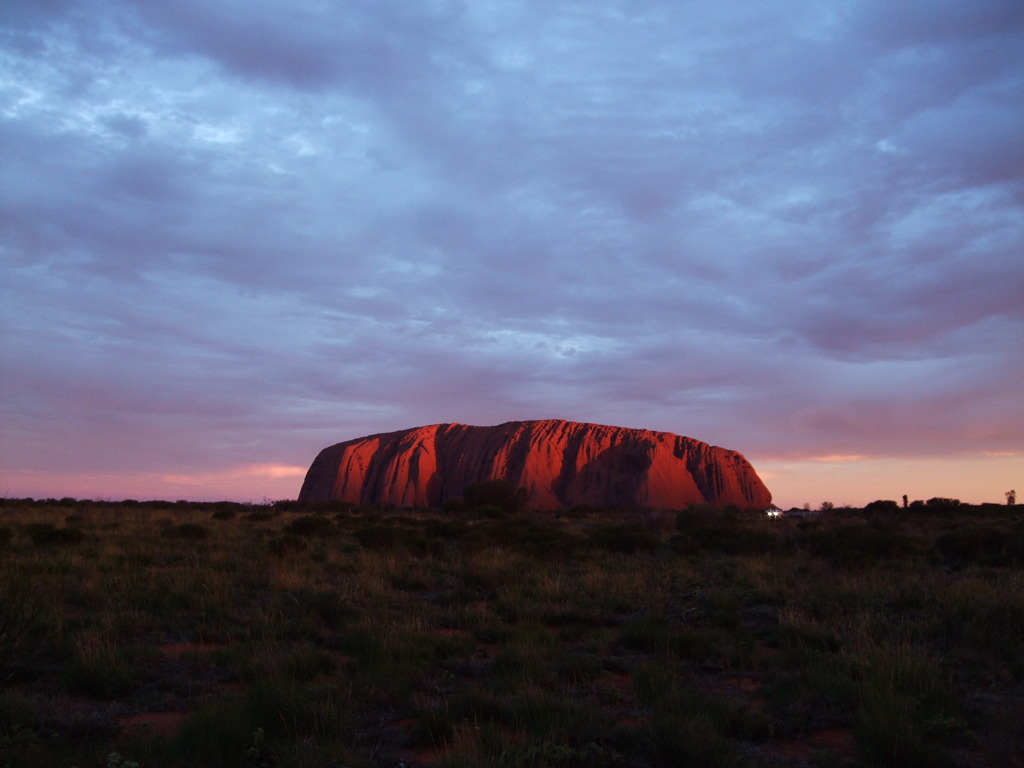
{"x": 790, "y": 228}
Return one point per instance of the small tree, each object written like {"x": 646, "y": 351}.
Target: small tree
{"x": 827, "y": 506}
{"x": 882, "y": 505}
{"x": 1011, "y": 498}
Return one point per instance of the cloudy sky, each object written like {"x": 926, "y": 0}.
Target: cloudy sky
{"x": 233, "y": 232}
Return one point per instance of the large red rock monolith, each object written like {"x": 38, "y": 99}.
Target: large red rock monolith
{"x": 561, "y": 464}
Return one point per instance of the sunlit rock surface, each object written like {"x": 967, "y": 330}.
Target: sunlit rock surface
{"x": 561, "y": 464}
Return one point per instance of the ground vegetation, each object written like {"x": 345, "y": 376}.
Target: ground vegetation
{"x": 159, "y": 634}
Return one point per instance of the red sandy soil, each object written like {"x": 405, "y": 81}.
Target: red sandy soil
{"x": 167, "y": 723}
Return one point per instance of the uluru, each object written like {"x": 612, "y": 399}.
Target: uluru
{"x": 560, "y": 464}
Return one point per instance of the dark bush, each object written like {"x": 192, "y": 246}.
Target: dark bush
{"x": 646, "y": 634}
{"x": 107, "y": 671}
{"x": 6, "y": 534}
{"x": 22, "y": 619}
{"x": 982, "y": 546}
{"x": 218, "y": 734}
{"x": 705, "y": 529}
{"x": 856, "y": 545}
{"x": 629, "y": 537}
{"x": 446, "y": 529}
{"x": 225, "y": 506}
{"x": 499, "y": 493}
{"x": 289, "y": 505}
{"x": 187, "y": 531}
{"x": 882, "y": 505}
{"x": 379, "y": 536}
{"x": 44, "y": 534}
{"x": 454, "y": 506}
{"x": 489, "y": 512}
{"x": 525, "y": 535}
{"x": 311, "y": 525}
{"x": 808, "y": 639}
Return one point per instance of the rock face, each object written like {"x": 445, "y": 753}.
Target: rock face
{"x": 561, "y": 464}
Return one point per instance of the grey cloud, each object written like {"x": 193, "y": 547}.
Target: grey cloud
{"x": 309, "y": 46}
{"x": 239, "y": 221}
{"x": 975, "y": 140}
{"x": 926, "y": 23}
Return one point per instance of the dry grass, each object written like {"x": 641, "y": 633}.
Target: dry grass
{"x": 363, "y": 637}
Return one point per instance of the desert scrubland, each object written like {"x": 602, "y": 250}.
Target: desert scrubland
{"x": 172, "y": 634}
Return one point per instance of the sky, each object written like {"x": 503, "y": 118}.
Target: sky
{"x": 234, "y": 232}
